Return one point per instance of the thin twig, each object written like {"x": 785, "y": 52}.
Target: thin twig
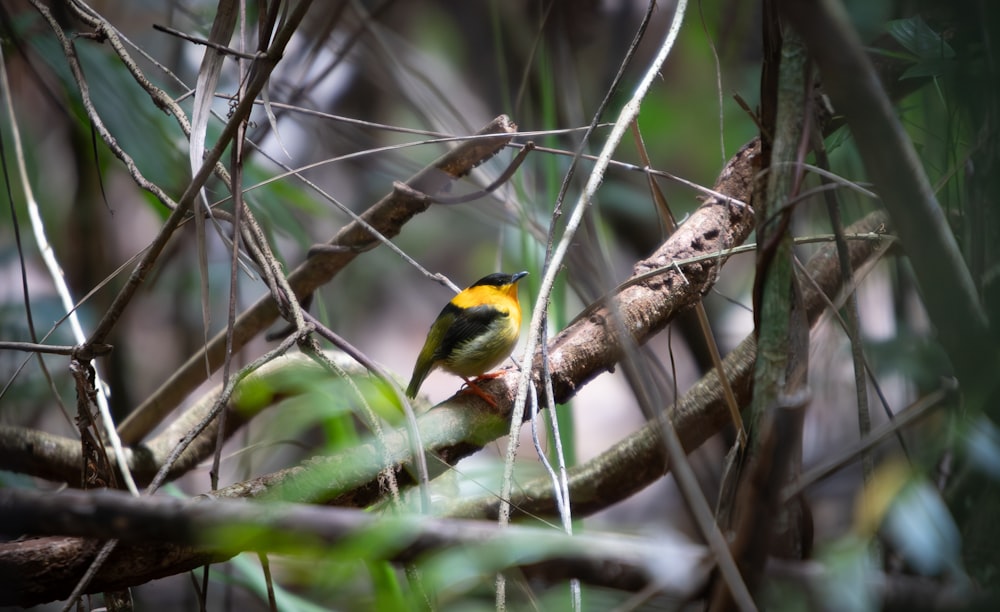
{"x": 56, "y": 273}
{"x": 179, "y": 449}
{"x": 500, "y": 180}
{"x": 416, "y": 445}
{"x": 669, "y": 220}
{"x": 201, "y": 41}
{"x": 903, "y": 419}
{"x": 96, "y": 350}
{"x": 387, "y": 216}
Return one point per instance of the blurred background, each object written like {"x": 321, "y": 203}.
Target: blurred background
{"x": 363, "y": 86}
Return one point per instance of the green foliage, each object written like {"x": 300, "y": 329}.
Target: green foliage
{"x": 930, "y": 53}
{"x": 124, "y": 107}
{"x": 248, "y": 575}
{"x": 848, "y": 561}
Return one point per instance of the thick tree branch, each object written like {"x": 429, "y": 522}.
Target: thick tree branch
{"x": 174, "y": 534}
{"x": 645, "y": 304}
{"x": 656, "y": 292}
{"x": 216, "y": 530}
{"x": 638, "y": 460}
{"x": 459, "y": 428}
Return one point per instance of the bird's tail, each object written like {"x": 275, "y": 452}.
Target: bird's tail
{"x": 419, "y": 374}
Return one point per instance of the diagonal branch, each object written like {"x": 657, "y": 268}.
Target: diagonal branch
{"x": 640, "y": 459}
{"x": 387, "y": 217}
{"x": 239, "y": 114}
{"x": 218, "y": 529}
{"x": 456, "y": 429}
{"x": 583, "y": 350}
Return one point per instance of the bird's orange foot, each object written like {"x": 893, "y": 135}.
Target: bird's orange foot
{"x": 489, "y": 375}
{"x": 472, "y": 387}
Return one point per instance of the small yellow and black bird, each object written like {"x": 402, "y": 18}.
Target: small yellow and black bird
{"x": 474, "y": 333}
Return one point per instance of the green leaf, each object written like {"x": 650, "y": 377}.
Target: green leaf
{"x": 919, "y": 39}
{"x": 927, "y": 68}
{"x": 848, "y": 562}
{"x": 921, "y": 528}
{"x": 982, "y": 445}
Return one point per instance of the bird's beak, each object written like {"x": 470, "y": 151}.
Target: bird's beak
{"x": 518, "y": 276}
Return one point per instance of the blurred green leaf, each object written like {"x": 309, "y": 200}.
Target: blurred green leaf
{"x": 921, "y": 528}
{"x": 927, "y": 68}
{"x": 849, "y": 563}
{"x": 919, "y": 39}
{"x": 250, "y": 575}
{"x": 982, "y": 445}
{"x": 386, "y": 587}
{"x": 148, "y": 135}
{"x": 931, "y": 54}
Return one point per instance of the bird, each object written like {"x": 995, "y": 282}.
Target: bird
{"x": 474, "y": 333}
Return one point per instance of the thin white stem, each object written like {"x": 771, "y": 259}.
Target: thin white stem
{"x": 560, "y": 480}
{"x": 59, "y": 281}
{"x": 625, "y": 118}
{"x": 628, "y": 114}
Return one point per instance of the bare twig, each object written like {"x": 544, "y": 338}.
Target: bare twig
{"x": 225, "y": 50}
{"x": 387, "y": 216}
{"x": 96, "y": 350}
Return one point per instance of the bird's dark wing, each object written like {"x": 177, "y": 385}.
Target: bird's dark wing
{"x": 468, "y": 323}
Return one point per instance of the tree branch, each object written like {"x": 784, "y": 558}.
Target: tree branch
{"x": 387, "y": 217}
{"x": 458, "y": 427}
{"x": 189, "y": 532}
{"x": 638, "y": 460}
